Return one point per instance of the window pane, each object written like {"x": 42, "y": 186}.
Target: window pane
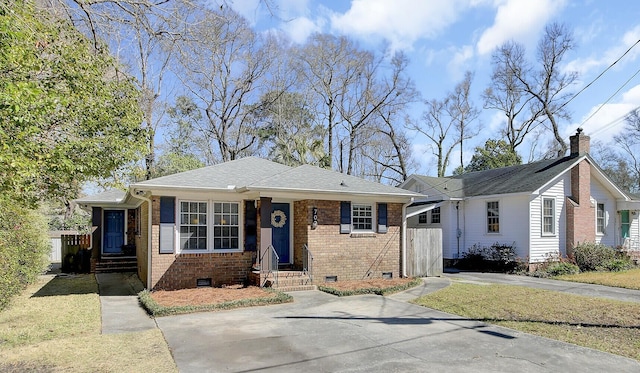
{"x": 234, "y": 208}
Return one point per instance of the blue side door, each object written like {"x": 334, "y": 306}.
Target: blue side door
{"x": 113, "y": 232}
{"x": 280, "y": 223}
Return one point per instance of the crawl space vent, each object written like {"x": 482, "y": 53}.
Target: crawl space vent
{"x": 203, "y": 282}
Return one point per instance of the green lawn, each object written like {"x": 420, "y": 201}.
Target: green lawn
{"x": 55, "y": 326}
{"x": 604, "y": 325}
{"x": 624, "y": 279}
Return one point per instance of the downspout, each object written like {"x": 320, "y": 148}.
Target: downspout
{"x": 403, "y": 232}
{"x": 149, "y": 229}
{"x": 458, "y": 231}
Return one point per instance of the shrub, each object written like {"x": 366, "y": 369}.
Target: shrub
{"x": 498, "y": 257}
{"x": 591, "y": 256}
{"x": 562, "y": 268}
{"x": 23, "y": 248}
{"x": 621, "y": 263}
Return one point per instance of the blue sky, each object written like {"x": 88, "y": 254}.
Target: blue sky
{"x": 443, "y": 39}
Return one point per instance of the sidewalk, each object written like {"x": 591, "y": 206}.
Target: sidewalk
{"x": 121, "y": 312}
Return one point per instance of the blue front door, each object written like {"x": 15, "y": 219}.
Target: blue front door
{"x": 113, "y": 232}
{"x": 280, "y": 223}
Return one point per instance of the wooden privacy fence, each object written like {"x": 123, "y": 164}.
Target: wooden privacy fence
{"x": 424, "y": 252}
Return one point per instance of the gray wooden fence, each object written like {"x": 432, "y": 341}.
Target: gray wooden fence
{"x": 424, "y": 252}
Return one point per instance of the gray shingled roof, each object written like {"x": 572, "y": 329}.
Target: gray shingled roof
{"x": 255, "y": 173}
{"x": 238, "y": 173}
{"x": 315, "y": 179}
{"x": 515, "y": 179}
{"x": 112, "y": 196}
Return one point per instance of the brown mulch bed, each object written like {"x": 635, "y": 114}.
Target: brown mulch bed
{"x": 375, "y": 283}
{"x": 205, "y": 296}
{"x": 213, "y": 296}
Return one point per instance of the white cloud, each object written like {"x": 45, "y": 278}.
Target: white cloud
{"x": 519, "y": 20}
{"x": 249, "y": 9}
{"x": 401, "y": 22}
{"x": 609, "y": 120}
{"x": 603, "y": 59}
{"x": 460, "y": 61}
{"x": 300, "y": 28}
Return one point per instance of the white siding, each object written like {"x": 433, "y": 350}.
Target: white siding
{"x": 601, "y": 195}
{"x": 514, "y": 223}
{"x": 544, "y": 245}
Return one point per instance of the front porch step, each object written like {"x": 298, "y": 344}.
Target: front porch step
{"x": 110, "y": 265}
{"x": 287, "y": 281}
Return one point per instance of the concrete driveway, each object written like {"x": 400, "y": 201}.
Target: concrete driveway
{"x": 324, "y": 333}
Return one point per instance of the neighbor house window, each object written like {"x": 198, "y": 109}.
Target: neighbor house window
{"x": 600, "y": 219}
{"x": 193, "y": 225}
{"x": 226, "y": 228}
{"x": 493, "y": 217}
{"x": 548, "y": 216}
{"x": 422, "y": 218}
{"x": 435, "y": 215}
{"x": 362, "y": 217}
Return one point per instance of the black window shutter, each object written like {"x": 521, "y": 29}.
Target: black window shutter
{"x": 167, "y": 209}
{"x": 382, "y": 218}
{"x": 345, "y": 217}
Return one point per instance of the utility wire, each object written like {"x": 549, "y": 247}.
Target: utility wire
{"x": 600, "y": 75}
{"x": 610, "y": 97}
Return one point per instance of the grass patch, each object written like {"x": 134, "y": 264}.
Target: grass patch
{"x": 605, "y": 325}
{"x": 379, "y": 287}
{"x": 156, "y": 309}
{"x": 55, "y": 325}
{"x": 629, "y": 279}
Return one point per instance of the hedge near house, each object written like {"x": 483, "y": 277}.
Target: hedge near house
{"x": 23, "y": 248}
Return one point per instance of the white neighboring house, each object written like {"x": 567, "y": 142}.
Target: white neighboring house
{"x": 544, "y": 208}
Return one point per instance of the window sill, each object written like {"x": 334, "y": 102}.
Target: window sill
{"x": 363, "y": 234}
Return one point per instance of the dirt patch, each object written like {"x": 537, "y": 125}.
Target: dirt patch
{"x": 376, "y": 283}
{"x": 203, "y": 296}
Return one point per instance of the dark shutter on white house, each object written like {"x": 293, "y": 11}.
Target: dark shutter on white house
{"x": 345, "y": 217}
{"x": 382, "y": 218}
{"x": 167, "y": 224}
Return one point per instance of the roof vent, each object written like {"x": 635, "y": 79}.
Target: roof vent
{"x": 342, "y": 183}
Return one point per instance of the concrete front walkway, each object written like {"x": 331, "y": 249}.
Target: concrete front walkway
{"x": 323, "y": 333}
{"x": 121, "y": 312}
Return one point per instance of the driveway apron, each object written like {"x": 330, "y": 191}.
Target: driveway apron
{"x": 319, "y": 332}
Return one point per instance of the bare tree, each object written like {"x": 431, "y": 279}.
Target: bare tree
{"x": 627, "y": 163}
{"x": 506, "y": 93}
{"x": 223, "y": 64}
{"x": 328, "y": 67}
{"x": 540, "y": 88}
{"x": 449, "y": 122}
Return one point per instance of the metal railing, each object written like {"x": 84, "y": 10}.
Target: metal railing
{"x": 307, "y": 262}
{"x": 269, "y": 261}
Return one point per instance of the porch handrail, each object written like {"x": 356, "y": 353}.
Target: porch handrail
{"x": 307, "y": 262}
{"x": 270, "y": 266}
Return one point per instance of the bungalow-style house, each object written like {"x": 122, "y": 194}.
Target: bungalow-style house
{"x": 544, "y": 208}
{"x": 248, "y": 220}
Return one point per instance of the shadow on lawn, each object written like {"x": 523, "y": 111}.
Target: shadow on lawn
{"x": 68, "y": 284}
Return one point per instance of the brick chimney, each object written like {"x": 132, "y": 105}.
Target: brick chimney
{"x": 579, "y": 143}
{"x": 580, "y": 211}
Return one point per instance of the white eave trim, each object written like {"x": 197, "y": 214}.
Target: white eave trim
{"x": 413, "y": 211}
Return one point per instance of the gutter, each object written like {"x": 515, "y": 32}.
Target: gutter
{"x": 149, "y": 229}
{"x": 403, "y": 232}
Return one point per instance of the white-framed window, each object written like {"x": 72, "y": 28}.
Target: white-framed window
{"x": 226, "y": 226}
{"x": 548, "y": 216}
{"x": 362, "y": 217}
{"x": 193, "y": 225}
{"x": 600, "y": 219}
{"x": 422, "y": 217}
{"x": 493, "y": 217}
{"x": 435, "y": 215}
